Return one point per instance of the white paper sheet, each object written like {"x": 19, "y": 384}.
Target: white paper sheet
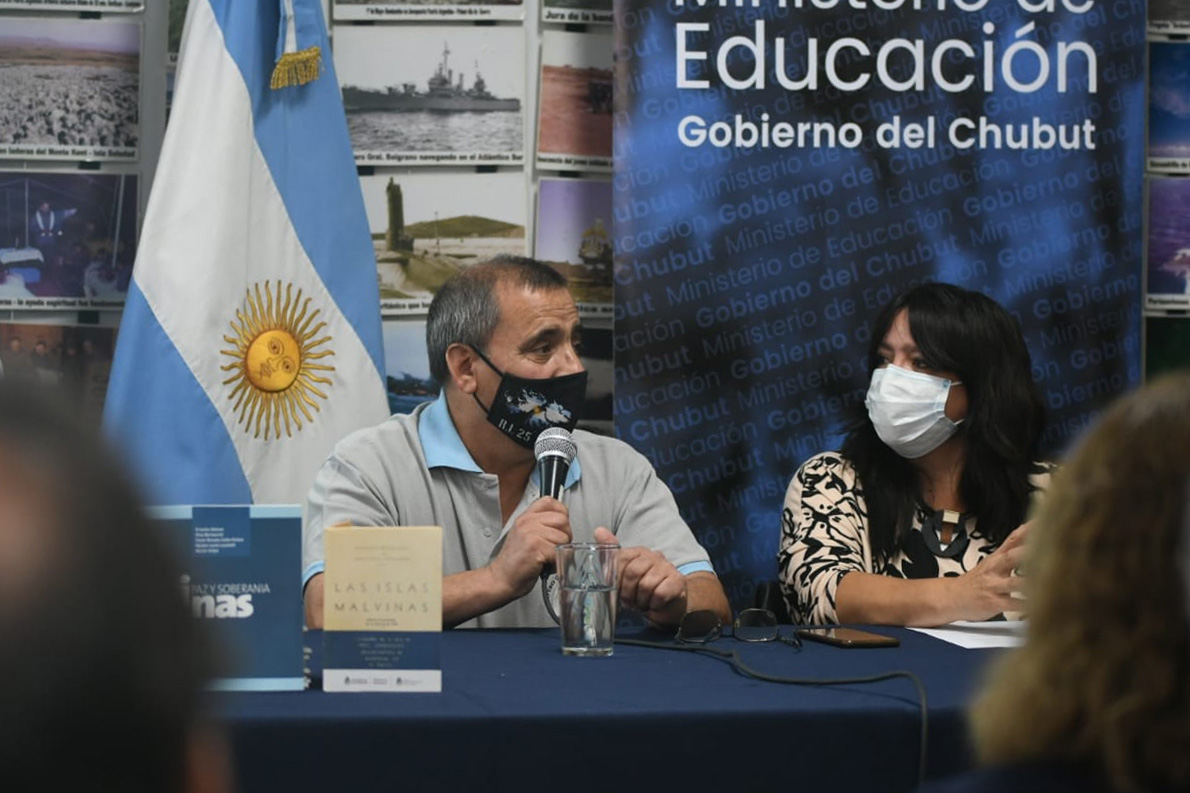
{"x": 975, "y": 635}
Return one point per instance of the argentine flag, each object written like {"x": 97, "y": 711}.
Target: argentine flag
{"x": 251, "y": 340}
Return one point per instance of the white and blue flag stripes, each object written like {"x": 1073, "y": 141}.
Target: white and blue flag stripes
{"x": 251, "y": 337}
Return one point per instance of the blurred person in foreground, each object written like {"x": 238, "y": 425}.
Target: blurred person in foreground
{"x": 102, "y": 666}
{"x": 918, "y": 519}
{"x": 1098, "y": 698}
{"x": 503, "y": 340}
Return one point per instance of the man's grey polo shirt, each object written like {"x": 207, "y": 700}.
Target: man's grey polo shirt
{"x": 413, "y": 470}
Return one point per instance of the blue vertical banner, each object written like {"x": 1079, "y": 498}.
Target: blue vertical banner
{"x": 784, "y": 168}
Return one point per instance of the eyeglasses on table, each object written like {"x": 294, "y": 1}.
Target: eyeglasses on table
{"x": 750, "y": 625}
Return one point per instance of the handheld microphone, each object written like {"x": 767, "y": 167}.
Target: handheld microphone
{"x": 555, "y": 452}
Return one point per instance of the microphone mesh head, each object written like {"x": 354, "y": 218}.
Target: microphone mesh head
{"x": 555, "y": 440}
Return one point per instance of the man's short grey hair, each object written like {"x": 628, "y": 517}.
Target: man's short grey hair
{"x": 467, "y": 311}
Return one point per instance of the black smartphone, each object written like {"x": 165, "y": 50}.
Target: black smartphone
{"x": 848, "y": 637}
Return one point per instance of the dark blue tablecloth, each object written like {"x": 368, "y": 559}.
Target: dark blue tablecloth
{"x": 515, "y": 713}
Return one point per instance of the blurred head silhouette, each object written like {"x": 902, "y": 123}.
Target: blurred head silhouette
{"x": 1103, "y": 682}
{"x": 101, "y": 668}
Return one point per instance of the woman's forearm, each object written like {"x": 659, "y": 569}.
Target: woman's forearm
{"x": 883, "y": 600}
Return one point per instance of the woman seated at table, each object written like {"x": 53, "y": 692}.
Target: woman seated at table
{"x": 915, "y": 521}
{"x": 1098, "y": 699}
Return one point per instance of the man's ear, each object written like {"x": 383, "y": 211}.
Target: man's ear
{"x": 461, "y": 360}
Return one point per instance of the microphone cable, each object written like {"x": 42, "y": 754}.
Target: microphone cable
{"x": 732, "y": 657}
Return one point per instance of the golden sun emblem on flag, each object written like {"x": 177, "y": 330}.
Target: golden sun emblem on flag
{"x": 275, "y": 346}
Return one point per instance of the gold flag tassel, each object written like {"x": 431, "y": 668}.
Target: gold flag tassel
{"x": 294, "y": 66}
{"x": 297, "y": 68}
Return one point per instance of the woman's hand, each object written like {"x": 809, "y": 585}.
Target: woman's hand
{"x": 987, "y": 589}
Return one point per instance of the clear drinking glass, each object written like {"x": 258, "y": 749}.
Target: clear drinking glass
{"x": 588, "y": 583}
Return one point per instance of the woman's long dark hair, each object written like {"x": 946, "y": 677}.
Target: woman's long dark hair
{"x": 967, "y": 333}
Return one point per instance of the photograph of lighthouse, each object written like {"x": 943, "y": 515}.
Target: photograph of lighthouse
{"x": 427, "y": 225}
{"x": 454, "y": 97}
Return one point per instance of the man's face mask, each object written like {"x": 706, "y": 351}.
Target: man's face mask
{"x": 908, "y": 410}
{"x": 523, "y": 407}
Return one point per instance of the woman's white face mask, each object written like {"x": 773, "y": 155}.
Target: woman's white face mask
{"x": 908, "y": 410}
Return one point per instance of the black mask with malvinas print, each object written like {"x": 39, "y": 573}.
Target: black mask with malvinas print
{"x": 523, "y": 406}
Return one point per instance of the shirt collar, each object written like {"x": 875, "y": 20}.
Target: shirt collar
{"x": 443, "y": 448}
{"x": 440, "y": 441}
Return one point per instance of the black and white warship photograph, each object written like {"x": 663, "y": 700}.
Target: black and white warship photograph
{"x": 454, "y": 97}
{"x": 429, "y": 10}
{"x": 574, "y": 237}
{"x": 69, "y": 88}
{"x": 428, "y": 225}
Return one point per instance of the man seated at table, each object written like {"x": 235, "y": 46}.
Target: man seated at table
{"x": 502, "y": 338}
